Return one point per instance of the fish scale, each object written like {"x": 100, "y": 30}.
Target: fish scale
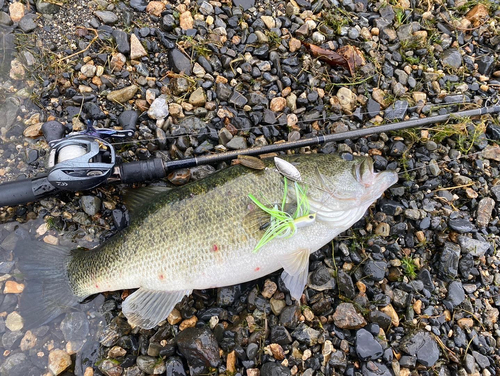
{"x": 177, "y": 235}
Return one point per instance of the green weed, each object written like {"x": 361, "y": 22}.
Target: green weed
{"x": 409, "y": 267}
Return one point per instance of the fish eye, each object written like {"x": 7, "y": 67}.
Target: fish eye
{"x": 311, "y": 216}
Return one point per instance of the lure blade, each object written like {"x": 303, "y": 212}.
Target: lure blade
{"x": 287, "y": 169}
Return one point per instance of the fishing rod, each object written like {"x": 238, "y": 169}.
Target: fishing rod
{"x": 85, "y": 160}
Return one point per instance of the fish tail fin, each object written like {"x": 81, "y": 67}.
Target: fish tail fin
{"x": 47, "y": 293}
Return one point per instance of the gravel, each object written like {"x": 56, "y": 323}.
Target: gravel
{"x": 411, "y": 288}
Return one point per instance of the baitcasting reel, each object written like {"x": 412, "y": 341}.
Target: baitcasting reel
{"x": 79, "y": 162}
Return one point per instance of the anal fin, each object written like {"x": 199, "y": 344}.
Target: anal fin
{"x": 147, "y": 308}
{"x": 296, "y": 267}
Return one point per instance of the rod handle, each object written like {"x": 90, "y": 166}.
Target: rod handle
{"x": 26, "y": 190}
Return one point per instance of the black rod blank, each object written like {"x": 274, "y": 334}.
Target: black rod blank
{"x": 318, "y": 140}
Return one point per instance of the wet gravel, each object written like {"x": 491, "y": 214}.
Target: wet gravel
{"x": 412, "y": 288}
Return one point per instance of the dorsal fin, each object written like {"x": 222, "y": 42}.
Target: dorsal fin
{"x": 138, "y": 198}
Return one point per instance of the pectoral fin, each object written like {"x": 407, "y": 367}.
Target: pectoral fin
{"x": 296, "y": 267}
{"x": 146, "y": 308}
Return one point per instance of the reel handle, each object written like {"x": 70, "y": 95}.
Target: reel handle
{"x": 23, "y": 191}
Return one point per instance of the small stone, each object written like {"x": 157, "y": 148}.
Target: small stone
{"x": 379, "y": 96}
{"x": 88, "y": 70}
{"x": 159, "y": 109}
{"x": 294, "y": 44}
{"x": 198, "y": 70}
{"x": 465, "y": 322}
{"x": 244, "y": 4}
{"x": 375, "y": 270}
{"x": 391, "y": 312}
{"x": 59, "y": 361}
{"x": 17, "y": 71}
{"x": 16, "y": 11}
{"x": 419, "y": 96}
{"x": 237, "y": 143}
{"x": 186, "y": 20}
{"x": 33, "y": 131}
{"x": 238, "y": 99}
{"x": 383, "y": 229}
{"x": 28, "y": 24}
{"x": 485, "y": 65}
{"x": 396, "y": 111}
{"x": 174, "y": 317}
{"x": 484, "y": 210}
{"x": 277, "y": 306}
{"x": 122, "y": 42}
{"x": 117, "y": 352}
{"x": 456, "y": 293}
{"x": 179, "y": 85}
{"x": 139, "y": 5}
{"x": 206, "y": 8}
{"x": 179, "y": 62}
{"x": 107, "y": 17}
{"x": 475, "y": 247}
{"x": 146, "y": 364}
{"x": 46, "y": 7}
{"x": 155, "y": 8}
{"x": 200, "y": 348}
{"x": 367, "y": 347}
{"x": 274, "y": 369}
{"x": 188, "y": 323}
{"x": 269, "y": 22}
{"x": 12, "y": 287}
{"x": 461, "y": 225}
{"x": 277, "y": 351}
{"x": 109, "y": 368}
{"x": 28, "y": 342}
{"x": 433, "y": 167}
{"x": 175, "y": 110}
{"x": 346, "y": 317}
{"x": 14, "y": 322}
{"x": 137, "y": 50}
{"x": 452, "y": 58}
{"x": 123, "y": 95}
{"x": 278, "y": 104}
{"x": 492, "y": 152}
{"x": 117, "y": 62}
{"x": 91, "y": 204}
{"x": 231, "y": 362}
{"x": 347, "y": 99}
{"x": 306, "y": 334}
{"x": 269, "y": 289}
{"x": 481, "y": 360}
{"x": 423, "y": 346}
{"x": 197, "y": 97}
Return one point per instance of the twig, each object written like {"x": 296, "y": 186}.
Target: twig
{"x": 455, "y": 187}
{"x": 86, "y": 48}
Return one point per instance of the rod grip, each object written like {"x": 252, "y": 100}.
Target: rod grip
{"x": 23, "y": 191}
{"x": 142, "y": 171}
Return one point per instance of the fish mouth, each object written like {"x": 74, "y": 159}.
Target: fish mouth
{"x": 375, "y": 183}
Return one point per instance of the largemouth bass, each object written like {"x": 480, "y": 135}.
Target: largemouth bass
{"x": 202, "y": 235}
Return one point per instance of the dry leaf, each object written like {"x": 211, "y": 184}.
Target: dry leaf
{"x": 478, "y": 15}
{"x": 349, "y": 57}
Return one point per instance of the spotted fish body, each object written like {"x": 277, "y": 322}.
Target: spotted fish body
{"x": 203, "y": 235}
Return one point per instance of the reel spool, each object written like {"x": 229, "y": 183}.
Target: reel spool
{"x": 80, "y": 163}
